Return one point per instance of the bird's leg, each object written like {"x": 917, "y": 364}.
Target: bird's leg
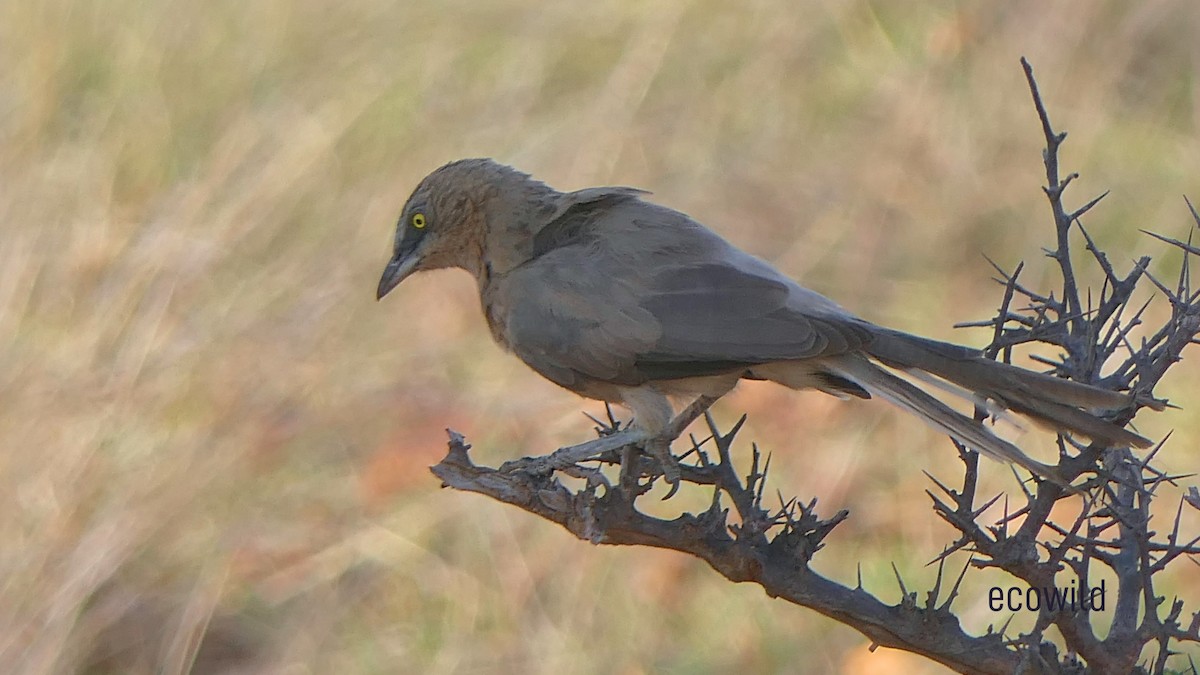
{"x": 658, "y": 443}
{"x": 659, "y": 447}
{"x": 652, "y": 414}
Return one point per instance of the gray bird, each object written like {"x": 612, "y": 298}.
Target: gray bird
{"x": 625, "y": 301}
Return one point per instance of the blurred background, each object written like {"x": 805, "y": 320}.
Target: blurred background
{"x": 212, "y": 430}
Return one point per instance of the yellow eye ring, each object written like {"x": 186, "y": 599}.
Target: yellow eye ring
{"x": 418, "y": 220}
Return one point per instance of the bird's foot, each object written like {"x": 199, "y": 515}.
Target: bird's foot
{"x": 659, "y": 449}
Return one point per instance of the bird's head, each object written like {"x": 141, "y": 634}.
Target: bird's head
{"x": 447, "y": 221}
{"x": 437, "y": 219}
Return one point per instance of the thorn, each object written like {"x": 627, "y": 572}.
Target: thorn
{"x": 1004, "y": 628}
{"x": 987, "y": 505}
{"x": 737, "y": 426}
{"x": 950, "y": 493}
{"x": 903, "y": 590}
{"x": 949, "y": 551}
{"x": 932, "y": 597}
{"x": 1004, "y": 523}
{"x": 762, "y": 477}
{"x": 604, "y": 428}
{"x": 1167, "y": 292}
{"x": 957, "y": 584}
{"x": 1195, "y": 216}
{"x": 1174, "y": 242}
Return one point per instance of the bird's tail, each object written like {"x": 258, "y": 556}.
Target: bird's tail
{"x": 912, "y": 399}
{"x": 1059, "y": 404}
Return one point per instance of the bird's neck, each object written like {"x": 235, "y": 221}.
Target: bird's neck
{"x": 513, "y": 219}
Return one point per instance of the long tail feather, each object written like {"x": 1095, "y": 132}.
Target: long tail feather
{"x": 1052, "y": 401}
{"x": 937, "y": 414}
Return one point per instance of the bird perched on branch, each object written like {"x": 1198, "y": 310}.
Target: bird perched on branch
{"x": 622, "y": 300}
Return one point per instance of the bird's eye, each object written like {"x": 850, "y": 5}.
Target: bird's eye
{"x": 418, "y": 220}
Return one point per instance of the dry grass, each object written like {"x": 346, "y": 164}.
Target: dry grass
{"x": 209, "y": 424}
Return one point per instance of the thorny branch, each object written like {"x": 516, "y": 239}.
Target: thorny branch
{"x": 774, "y": 547}
{"x": 770, "y": 547}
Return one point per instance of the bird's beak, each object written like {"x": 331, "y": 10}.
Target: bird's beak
{"x": 397, "y": 270}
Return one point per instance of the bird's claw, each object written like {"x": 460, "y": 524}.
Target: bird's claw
{"x": 660, "y": 449}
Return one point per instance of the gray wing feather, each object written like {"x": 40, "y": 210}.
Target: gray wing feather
{"x": 571, "y": 327}
{"x": 640, "y": 292}
{"x": 717, "y": 310}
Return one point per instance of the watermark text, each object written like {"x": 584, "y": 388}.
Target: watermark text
{"x": 1071, "y": 598}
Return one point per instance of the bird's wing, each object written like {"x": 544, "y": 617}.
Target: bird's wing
{"x": 639, "y": 292}
{"x": 722, "y": 313}
{"x": 570, "y": 323}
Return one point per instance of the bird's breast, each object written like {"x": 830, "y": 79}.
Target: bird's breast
{"x": 495, "y": 312}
